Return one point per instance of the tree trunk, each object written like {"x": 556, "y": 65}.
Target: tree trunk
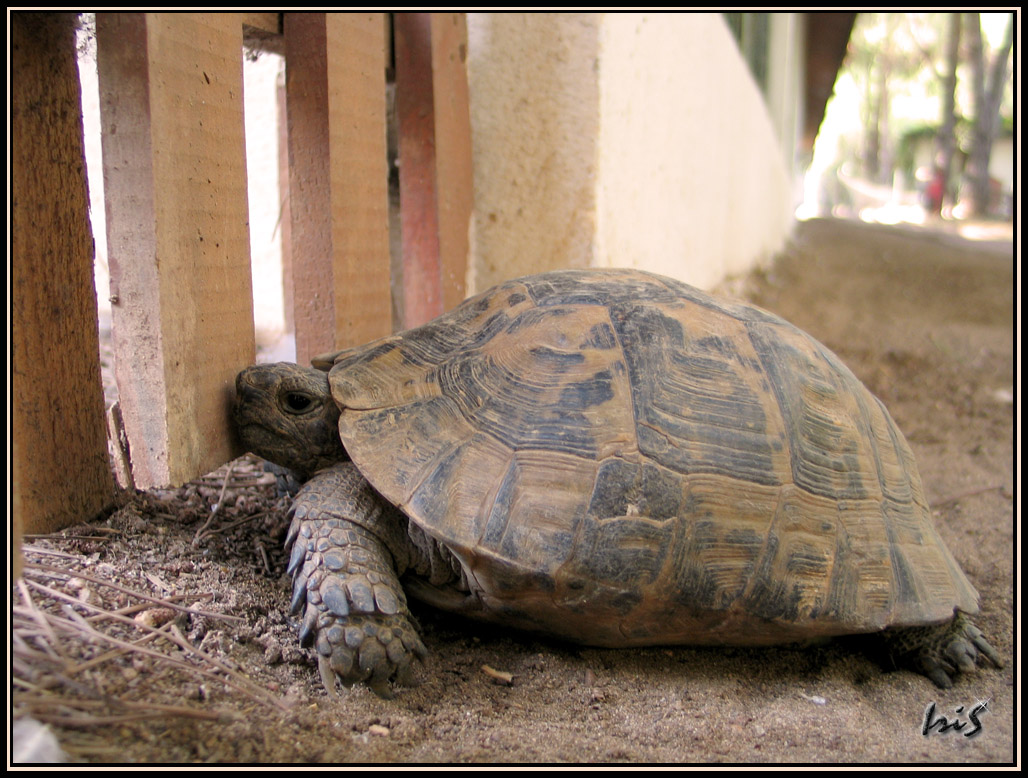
{"x": 987, "y": 98}
{"x": 946, "y": 141}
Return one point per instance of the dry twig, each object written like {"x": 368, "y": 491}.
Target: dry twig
{"x": 202, "y": 532}
{"x": 45, "y": 630}
{"x": 131, "y": 592}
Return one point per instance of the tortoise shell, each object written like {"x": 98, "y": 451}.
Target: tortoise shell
{"x": 621, "y": 459}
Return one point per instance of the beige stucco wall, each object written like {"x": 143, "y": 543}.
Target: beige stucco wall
{"x": 534, "y": 96}
{"x": 620, "y": 140}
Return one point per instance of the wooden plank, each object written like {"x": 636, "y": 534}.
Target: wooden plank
{"x": 171, "y": 98}
{"x": 335, "y": 100}
{"x": 419, "y": 224}
{"x": 360, "y": 177}
{"x": 308, "y": 278}
{"x": 454, "y": 175}
{"x": 285, "y": 217}
{"x": 435, "y": 160}
{"x": 60, "y": 472}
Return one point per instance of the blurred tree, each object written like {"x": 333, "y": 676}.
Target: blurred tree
{"x": 946, "y": 140}
{"x": 880, "y": 59}
{"x": 931, "y": 75}
{"x": 987, "y": 96}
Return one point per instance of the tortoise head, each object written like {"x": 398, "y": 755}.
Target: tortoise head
{"x": 286, "y": 414}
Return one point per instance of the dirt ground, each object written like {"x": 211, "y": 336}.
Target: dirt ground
{"x": 924, "y": 318}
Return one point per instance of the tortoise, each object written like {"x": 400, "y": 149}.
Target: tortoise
{"x": 610, "y": 457}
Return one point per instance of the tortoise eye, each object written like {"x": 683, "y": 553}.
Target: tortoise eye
{"x": 297, "y": 402}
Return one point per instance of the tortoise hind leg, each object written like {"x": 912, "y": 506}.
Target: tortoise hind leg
{"x": 346, "y": 546}
{"x": 941, "y": 651}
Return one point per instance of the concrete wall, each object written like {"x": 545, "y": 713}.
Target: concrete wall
{"x": 534, "y": 95}
{"x": 621, "y": 139}
{"x": 786, "y": 93}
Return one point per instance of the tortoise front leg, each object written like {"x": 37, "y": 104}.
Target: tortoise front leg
{"x": 347, "y": 544}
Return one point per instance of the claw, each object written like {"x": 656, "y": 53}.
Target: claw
{"x": 294, "y": 530}
{"x": 961, "y": 654}
{"x": 328, "y": 676}
{"x": 938, "y": 676}
{"x": 301, "y": 579}
{"x": 299, "y": 596}
{"x": 413, "y": 644}
{"x": 296, "y": 557}
{"x": 309, "y": 627}
{"x": 983, "y": 646}
{"x": 380, "y": 685}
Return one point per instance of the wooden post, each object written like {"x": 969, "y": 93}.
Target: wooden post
{"x": 338, "y": 198}
{"x": 285, "y": 216}
{"x": 454, "y": 174}
{"x": 171, "y": 98}
{"x": 60, "y": 471}
{"x": 419, "y": 225}
{"x": 435, "y": 160}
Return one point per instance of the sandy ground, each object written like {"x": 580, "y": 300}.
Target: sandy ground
{"x": 924, "y": 318}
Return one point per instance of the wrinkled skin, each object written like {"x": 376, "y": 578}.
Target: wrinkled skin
{"x": 286, "y": 414}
